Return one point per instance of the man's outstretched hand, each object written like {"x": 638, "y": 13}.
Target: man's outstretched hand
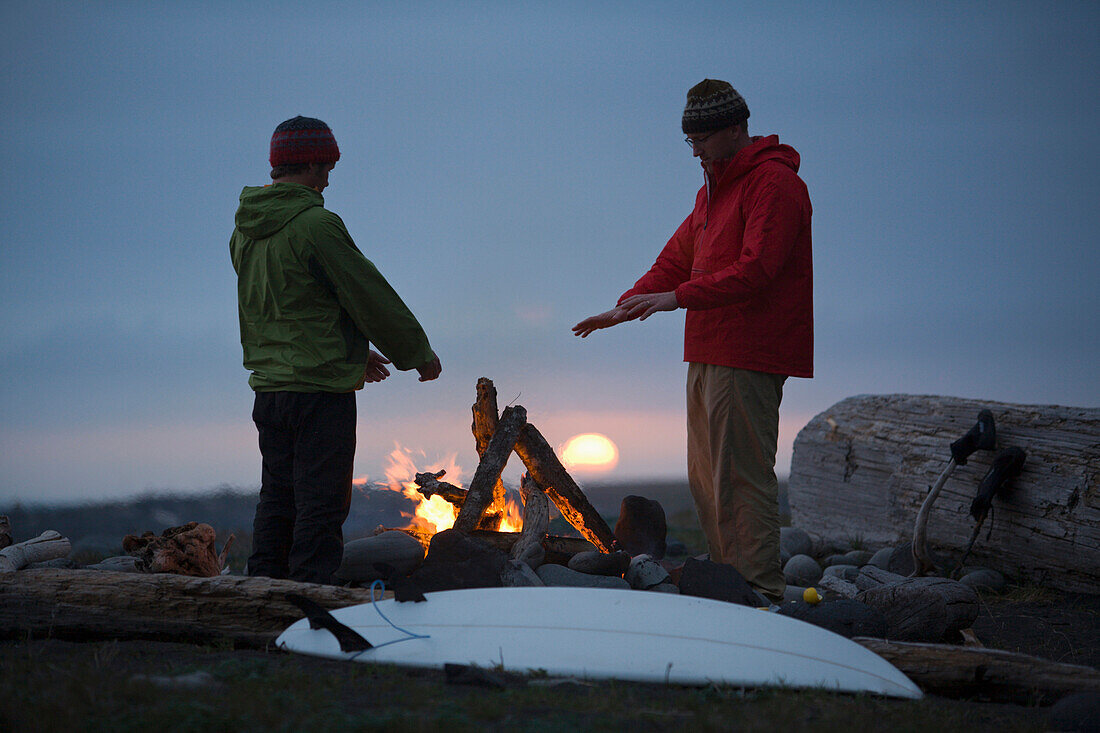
{"x": 606, "y": 319}
{"x": 376, "y": 367}
{"x": 636, "y": 306}
{"x": 430, "y": 371}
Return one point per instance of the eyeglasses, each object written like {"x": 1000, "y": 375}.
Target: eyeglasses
{"x": 694, "y": 141}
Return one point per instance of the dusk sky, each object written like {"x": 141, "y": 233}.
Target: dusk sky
{"x": 512, "y": 168}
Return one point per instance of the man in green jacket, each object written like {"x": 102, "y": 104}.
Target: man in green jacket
{"x": 310, "y": 307}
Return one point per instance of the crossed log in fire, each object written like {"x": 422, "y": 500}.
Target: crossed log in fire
{"x": 482, "y": 506}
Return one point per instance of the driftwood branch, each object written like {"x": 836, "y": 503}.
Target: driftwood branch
{"x": 543, "y": 465}
{"x": 47, "y": 546}
{"x": 429, "y": 485}
{"x": 480, "y": 494}
{"x": 95, "y": 604}
{"x": 484, "y": 425}
{"x": 536, "y": 522}
{"x": 955, "y": 671}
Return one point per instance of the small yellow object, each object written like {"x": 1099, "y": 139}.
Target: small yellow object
{"x": 811, "y": 596}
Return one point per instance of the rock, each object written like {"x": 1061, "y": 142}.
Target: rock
{"x": 859, "y": 558}
{"x": 562, "y": 576}
{"x": 1077, "y": 712}
{"x": 802, "y": 570}
{"x": 665, "y": 588}
{"x": 793, "y": 594}
{"x": 984, "y": 579}
{"x": 837, "y": 586}
{"x": 901, "y": 560}
{"x": 644, "y": 573}
{"x": 795, "y": 541}
{"x": 641, "y": 528}
{"x": 844, "y": 616}
{"x": 881, "y": 559}
{"x": 454, "y": 561}
{"x": 516, "y": 574}
{"x": 379, "y": 557}
{"x": 845, "y": 572}
{"x": 600, "y": 563}
{"x": 118, "y": 564}
{"x": 706, "y": 579}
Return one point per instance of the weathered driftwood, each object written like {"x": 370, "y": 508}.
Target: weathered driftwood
{"x": 480, "y": 494}
{"x": 46, "y": 546}
{"x": 5, "y": 532}
{"x": 962, "y": 671}
{"x": 536, "y": 522}
{"x": 429, "y": 485}
{"x": 543, "y": 465}
{"x": 484, "y": 425}
{"x": 185, "y": 550}
{"x": 864, "y": 467}
{"x": 919, "y": 609}
{"x": 93, "y": 604}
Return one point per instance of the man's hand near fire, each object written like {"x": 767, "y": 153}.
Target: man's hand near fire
{"x": 635, "y": 307}
{"x": 376, "y": 369}
{"x": 430, "y": 370}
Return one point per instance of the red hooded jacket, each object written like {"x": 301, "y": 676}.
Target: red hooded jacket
{"x": 742, "y": 266}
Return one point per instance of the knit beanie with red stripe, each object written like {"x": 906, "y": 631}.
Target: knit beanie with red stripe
{"x": 713, "y": 104}
{"x": 303, "y": 140}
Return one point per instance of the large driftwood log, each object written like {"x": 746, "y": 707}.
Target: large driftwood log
{"x": 543, "y": 465}
{"x": 95, "y": 604}
{"x": 484, "y": 425}
{"x": 922, "y": 609}
{"x": 958, "y": 671}
{"x": 46, "y": 546}
{"x": 480, "y": 494}
{"x": 864, "y": 466}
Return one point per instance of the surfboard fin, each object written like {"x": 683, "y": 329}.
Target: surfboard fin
{"x": 319, "y": 618}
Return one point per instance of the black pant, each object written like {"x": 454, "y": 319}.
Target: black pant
{"x": 307, "y": 440}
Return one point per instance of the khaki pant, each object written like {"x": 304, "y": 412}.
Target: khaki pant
{"x": 733, "y": 430}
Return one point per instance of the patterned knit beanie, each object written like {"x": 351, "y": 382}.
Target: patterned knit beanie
{"x": 303, "y": 140}
{"x": 713, "y": 105}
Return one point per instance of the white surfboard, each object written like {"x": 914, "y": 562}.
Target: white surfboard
{"x": 598, "y": 633}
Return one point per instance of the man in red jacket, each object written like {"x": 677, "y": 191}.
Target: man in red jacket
{"x": 741, "y": 266}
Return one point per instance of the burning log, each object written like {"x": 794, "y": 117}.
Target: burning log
{"x": 100, "y": 604}
{"x": 558, "y": 549}
{"x": 484, "y": 426}
{"x": 546, "y": 469}
{"x": 480, "y": 494}
{"x": 536, "y": 522}
{"x": 46, "y": 546}
{"x": 429, "y": 485}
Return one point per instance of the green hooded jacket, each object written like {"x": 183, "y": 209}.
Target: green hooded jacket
{"x": 310, "y": 303}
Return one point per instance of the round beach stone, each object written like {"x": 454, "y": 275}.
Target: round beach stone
{"x": 881, "y": 559}
{"x": 595, "y": 562}
{"x": 562, "y": 576}
{"x": 859, "y": 558}
{"x": 645, "y": 572}
{"x": 844, "y": 572}
{"x": 984, "y": 579}
{"x": 802, "y": 570}
{"x": 795, "y": 541}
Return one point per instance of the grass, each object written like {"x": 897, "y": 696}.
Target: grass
{"x": 56, "y": 685}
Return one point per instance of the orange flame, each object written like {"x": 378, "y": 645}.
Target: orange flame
{"x": 435, "y": 514}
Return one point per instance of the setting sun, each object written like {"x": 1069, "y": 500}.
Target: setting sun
{"x": 589, "y": 451}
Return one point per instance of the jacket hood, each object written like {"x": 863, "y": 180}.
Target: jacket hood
{"x": 265, "y": 210}
{"x": 761, "y": 150}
